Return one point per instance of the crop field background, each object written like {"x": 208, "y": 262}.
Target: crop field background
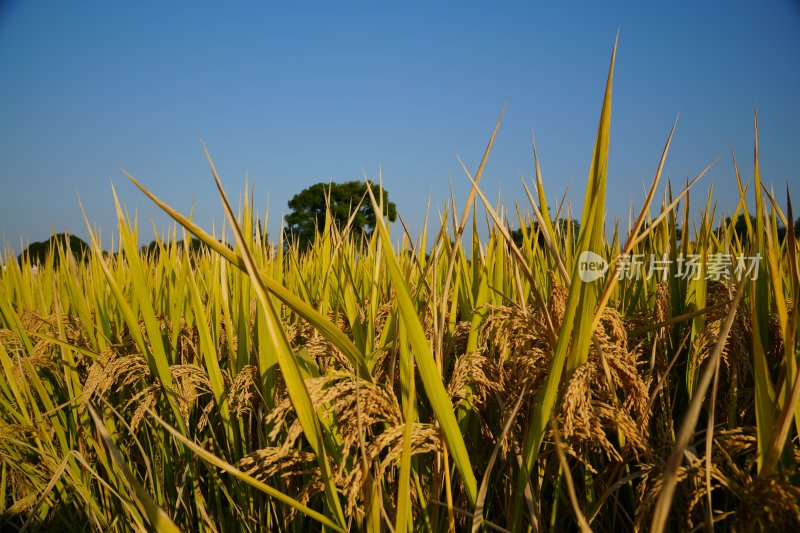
{"x": 383, "y": 383}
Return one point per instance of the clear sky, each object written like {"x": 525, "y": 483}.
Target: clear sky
{"x": 294, "y": 93}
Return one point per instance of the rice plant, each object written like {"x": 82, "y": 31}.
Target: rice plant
{"x": 381, "y": 382}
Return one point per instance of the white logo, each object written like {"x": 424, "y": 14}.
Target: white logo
{"x": 591, "y": 266}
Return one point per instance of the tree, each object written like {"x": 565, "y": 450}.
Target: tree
{"x": 196, "y": 246}
{"x": 740, "y": 227}
{"x": 37, "y": 252}
{"x": 310, "y": 208}
{"x": 562, "y": 225}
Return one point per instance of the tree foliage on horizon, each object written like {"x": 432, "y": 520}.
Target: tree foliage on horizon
{"x": 38, "y": 251}
{"x": 562, "y": 225}
{"x": 311, "y": 205}
{"x": 740, "y": 227}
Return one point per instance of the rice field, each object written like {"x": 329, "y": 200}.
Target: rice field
{"x": 435, "y": 383}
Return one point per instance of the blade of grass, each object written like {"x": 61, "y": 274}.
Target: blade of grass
{"x": 292, "y": 375}
{"x": 159, "y": 520}
{"x": 429, "y": 373}
{"x": 477, "y": 517}
{"x": 573, "y": 498}
{"x": 319, "y": 322}
{"x": 571, "y": 347}
{"x": 241, "y": 476}
{"x": 670, "y": 475}
{"x": 402, "y": 521}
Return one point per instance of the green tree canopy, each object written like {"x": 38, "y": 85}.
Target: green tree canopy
{"x": 561, "y": 225}
{"x": 38, "y": 251}
{"x": 153, "y": 248}
{"x": 309, "y": 209}
{"x": 740, "y": 227}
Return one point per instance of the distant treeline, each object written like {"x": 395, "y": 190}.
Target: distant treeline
{"x": 38, "y": 252}
{"x": 572, "y": 227}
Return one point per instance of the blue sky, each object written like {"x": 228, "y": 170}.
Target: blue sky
{"x": 291, "y": 94}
